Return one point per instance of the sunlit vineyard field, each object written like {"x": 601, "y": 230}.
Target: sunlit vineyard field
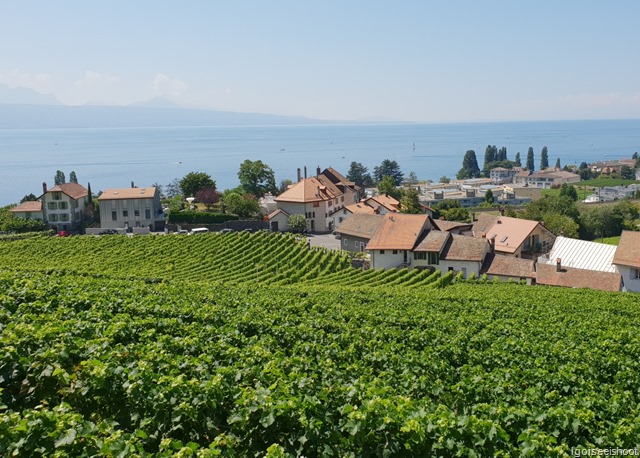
{"x": 102, "y": 356}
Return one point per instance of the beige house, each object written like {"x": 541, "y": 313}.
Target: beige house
{"x": 396, "y": 237}
{"x": 28, "y": 210}
{"x": 317, "y": 197}
{"x": 63, "y": 206}
{"x": 514, "y": 236}
{"x": 451, "y": 252}
{"x": 131, "y": 208}
{"x": 627, "y": 260}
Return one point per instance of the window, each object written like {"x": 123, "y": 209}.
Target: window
{"x": 136, "y": 212}
{"x": 63, "y": 205}
{"x": 53, "y": 217}
{"x": 64, "y": 217}
{"x": 394, "y": 252}
{"x": 57, "y": 196}
{"x": 420, "y": 256}
{"x": 381, "y": 251}
{"x": 634, "y": 274}
{"x": 433, "y": 258}
{"x": 52, "y": 205}
{"x": 125, "y": 213}
{"x": 114, "y": 215}
{"x": 342, "y": 199}
{"x": 147, "y": 213}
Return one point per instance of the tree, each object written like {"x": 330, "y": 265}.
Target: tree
{"x": 297, "y": 223}
{"x": 569, "y": 190}
{"x": 470, "y": 167}
{"x": 257, "y": 178}
{"x": 488, "y": 197}
{"x": 59, "y": 178}
{"x": 243, "y": 205}
{"x": 558, "y": 166}
{"x": 412, "y": 178}
{"x": 544, "y": 158}
{"x": 284, "y": 185}
{"x": 635, "y": 156}
{"x": 388, "y": 168}
{"x": 517, "y": 162}
{"x": 193, "y": 182}
{"x": 490, "y": 155}
{"x": 387, "y": 186}
{"x": 457, "y": 214}
{"x": 502, "y": 154}
{"x": 359, "y": 174}
{"x": 73, "y": 178}
{"x": 173, "y": 189}
{"x": 410, "y": 202}
{"x": 28, "y": 198}
{"x": 445, "y": 179}
{"x": 627, "y": 173}
{"x": 530, "y": 164}
{"x": 158, "y": 186}
{"x": 208, "y": 196}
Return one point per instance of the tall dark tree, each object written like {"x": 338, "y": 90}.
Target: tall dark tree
{"x": 59, "y": 178}
{"x": 73, "y": 178}
{"x": 410, "y": 202}
{"x": 544, "y": 158}
{"x": 359, "y": 174}
{"x": 257, "y": 178}
{"x": 490, "y": 155}
{"x": 208, "y": 196}
{"x": 517, "y": 162}
{"x": 558, "y": 166}
{"x": 193, "y": 182}
{"x": 488, "y": 197}
{"x": 530, "y": 164}
{"x": 470, "y": 168}
{"x": 502, "y": 154}
{"x": 388, "y": 168}
{"x": 627, "y": 173}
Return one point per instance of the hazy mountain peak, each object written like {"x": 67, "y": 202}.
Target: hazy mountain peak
{"x": 25, "y": 96}
{"x": 156, "y": 102}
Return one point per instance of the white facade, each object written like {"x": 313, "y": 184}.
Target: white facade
{"x": 630, "y": 278}
{"x": 61, "y": 211}
{"x": 130, "y": 208}
{"x": 388, "y": 259}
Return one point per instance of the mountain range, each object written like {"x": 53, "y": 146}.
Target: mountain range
{"x": 23, "y": 108}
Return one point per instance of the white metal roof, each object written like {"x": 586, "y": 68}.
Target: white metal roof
{"x": 581, "y": 254}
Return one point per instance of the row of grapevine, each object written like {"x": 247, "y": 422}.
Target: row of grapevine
{"x": 106, "y": 366}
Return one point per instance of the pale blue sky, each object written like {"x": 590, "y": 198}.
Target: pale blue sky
{"x": 334, "y": 59}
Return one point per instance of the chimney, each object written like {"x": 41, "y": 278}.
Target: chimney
{"x": 133, "y": 184}
{"x": 44, "y": 187}
{"x": 305, "y": 171}
{"x": 558, "y": 265}
{"x": 492, "y": 244}
{"x": 299, "y": 174}
{"x": 317, "y": 170}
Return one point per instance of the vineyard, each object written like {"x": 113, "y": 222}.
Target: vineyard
{"x": 104, "y": 356}
{"x": 235, "y": 258}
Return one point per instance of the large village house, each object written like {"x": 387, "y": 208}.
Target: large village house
{"x": 316, "y": 198}
{"x": 62, "y": 206}
{"x": 395, "y": 238}
{"x": 514, "y": 236}
{"x": 124, "y": 208}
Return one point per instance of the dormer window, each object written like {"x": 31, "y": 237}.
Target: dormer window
{"x": 57, "y": 195}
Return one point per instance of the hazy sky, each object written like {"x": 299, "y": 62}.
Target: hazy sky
{"x": 419, "y": 60}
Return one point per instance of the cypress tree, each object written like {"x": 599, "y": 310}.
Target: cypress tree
{"x": 530, "y": 165}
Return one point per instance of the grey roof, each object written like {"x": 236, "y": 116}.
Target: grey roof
{"x": 581, "y": 254}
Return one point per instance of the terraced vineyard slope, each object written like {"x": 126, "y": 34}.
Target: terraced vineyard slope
{"x": 234, "y": 258}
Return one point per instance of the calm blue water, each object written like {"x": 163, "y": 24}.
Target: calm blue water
{"x": 115, "y": 157}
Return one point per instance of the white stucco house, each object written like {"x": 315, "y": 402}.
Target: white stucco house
{"x": 627, "y": 260}
{"x": 123, "y": 208}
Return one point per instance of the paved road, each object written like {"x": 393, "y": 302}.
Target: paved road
{"x": 324, "y": 240}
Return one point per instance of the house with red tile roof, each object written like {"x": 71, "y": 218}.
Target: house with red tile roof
{"x": 505, "y": 268}
{"x": 28, "y": 210}
{"x": 396, "y": 237}
{"x": 451, "y": 252}
{"x": 63, "y": 206}
{"x": 571, "y": 277}
{"x": 317, "y": 197}
{"x": 514, "y": 236}
{"x": 627, "y": 260}
{"x": 131, "y": 208}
